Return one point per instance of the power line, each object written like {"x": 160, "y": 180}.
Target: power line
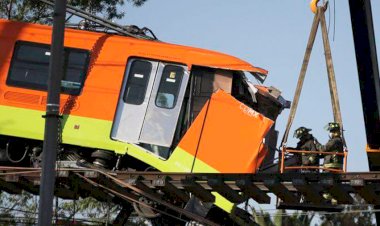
{"x": 31, "y": 212}
{"x": 17, "y": 210}
{"x": 320, "y": 213}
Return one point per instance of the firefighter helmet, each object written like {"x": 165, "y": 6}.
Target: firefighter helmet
{"x": 301, "y": 132}
{"x": 332, "y": 127}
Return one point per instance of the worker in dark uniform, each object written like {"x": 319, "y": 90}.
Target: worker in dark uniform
{"x": 335, "y": 144}
{"x": 306, "y": 143}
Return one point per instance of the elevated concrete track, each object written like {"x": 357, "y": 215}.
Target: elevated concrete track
{"x": 302, "y": 191}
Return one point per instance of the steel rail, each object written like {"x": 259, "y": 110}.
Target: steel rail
{"x": 153, "y": 198}
{"x": 124, "y": 196}
{"x": 202, "y": 177}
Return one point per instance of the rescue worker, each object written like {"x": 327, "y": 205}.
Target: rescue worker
{"x": 306, "y": 143}
{"x": 335, "y": 144}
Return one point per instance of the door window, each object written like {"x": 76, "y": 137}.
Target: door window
{"x": 137, "y": 83}
{"x": 170, "y": 84}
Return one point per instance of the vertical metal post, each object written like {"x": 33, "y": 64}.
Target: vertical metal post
{"x": 369, "y": 81}
{"x": 282, "y": 160}
{"x": 368, "y": 71}
{"x": 49, "y": 154}
{"x": 10, "y": 9}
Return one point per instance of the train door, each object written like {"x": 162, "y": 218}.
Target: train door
{"x": 150, "y": 102}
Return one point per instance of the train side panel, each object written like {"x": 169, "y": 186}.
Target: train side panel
{"x": 88, "y": 115}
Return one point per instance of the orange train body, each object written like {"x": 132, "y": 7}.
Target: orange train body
{"x": 217, "y": 120}
{"x": 109, "y": 54}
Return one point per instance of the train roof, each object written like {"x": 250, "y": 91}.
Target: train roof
{"x": 191, "y": 56}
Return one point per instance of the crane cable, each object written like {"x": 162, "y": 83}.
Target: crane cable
{"x": 319, "y": 18}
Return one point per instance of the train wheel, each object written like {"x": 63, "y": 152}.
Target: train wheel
{"x": 103, "y": 158}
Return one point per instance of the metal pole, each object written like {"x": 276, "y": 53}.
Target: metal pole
{"x": 10, "y": 9}
{"x": 49, "y": 154}
{"x": 368, "y": 73}
{"x": 369, "y": 81}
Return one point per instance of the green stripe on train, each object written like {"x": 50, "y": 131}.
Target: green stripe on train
{"x": 95, "y": 133}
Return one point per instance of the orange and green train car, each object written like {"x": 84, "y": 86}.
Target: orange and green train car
{"x": 148, "y": 104}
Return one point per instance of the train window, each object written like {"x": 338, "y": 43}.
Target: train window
{"x": 137, "y": 82}
{"x": 30, "y": 67}
{"x": 169, "y": 86}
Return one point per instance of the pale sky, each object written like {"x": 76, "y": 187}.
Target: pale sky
{"x": 273, "y": 35}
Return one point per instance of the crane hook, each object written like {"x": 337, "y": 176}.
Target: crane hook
{"x": 314, "y": 5}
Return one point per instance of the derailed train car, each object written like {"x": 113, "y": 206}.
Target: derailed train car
{"x": 132, "y": 104}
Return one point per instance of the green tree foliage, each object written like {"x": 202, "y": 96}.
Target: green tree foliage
{"x": 282, "y": 218}
{"x": 263, "y": 218}
{"x": 18, "y": 209}
{"x": 22, "y": 209}
{"x": 38, "y": 12}
{"x": 359, "y": 214}
{"x": 89, "y": 208}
